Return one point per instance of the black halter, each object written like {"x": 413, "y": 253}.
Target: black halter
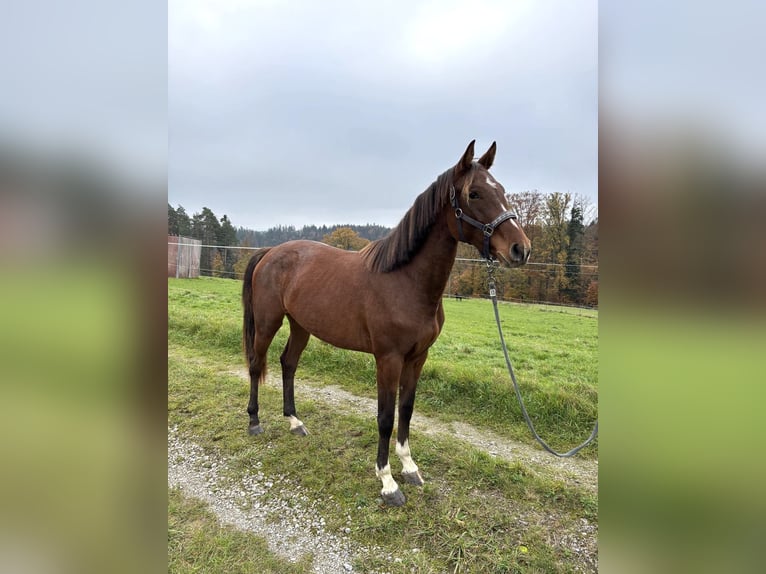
{"x": 487, "y": 228}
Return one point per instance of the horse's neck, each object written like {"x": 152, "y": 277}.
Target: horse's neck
{"x": 431, "y": 267}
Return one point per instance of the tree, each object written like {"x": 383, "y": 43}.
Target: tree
{"x": 211, "y": 227}
{"x": 197, "y": 226}
{"x": 553, "y": 244}
{"x": 576, "y": 240}
{"x": 588, "y": 208}
{"x": 528, "y": 206}
{"x": 591, "y": 294}
{"x": 345, "y": 238}
{"x": 206, "y": 228}
{"x": 178, "y": 222}
{"x": 183, "y": 222}
{"x": 590, "y": 240}
{"x": 227, "y": 235}
{"x": 218, "y": 267}
{"x": 172, "y": 221}
{"x": 472, "y": 282}
{"x": 243, "y": 258}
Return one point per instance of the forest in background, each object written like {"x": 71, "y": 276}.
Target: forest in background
{"x": 562, "y": 227}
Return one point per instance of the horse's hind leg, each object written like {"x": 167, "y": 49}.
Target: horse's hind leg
{"x": 296, "y": 343}
{"x": 257, "y": 367}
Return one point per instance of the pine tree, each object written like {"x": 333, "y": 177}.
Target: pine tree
{"x": 183, "y": 222}
{"x": 172, "y": 221}
{"x": 227, "y": 235}
{"x": 576, "y": 238}
{"x": 206, "y": 228}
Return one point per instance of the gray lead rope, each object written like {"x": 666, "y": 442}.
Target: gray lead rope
{"x": 594, "y": 432}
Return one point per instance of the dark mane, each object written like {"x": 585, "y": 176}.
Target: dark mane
{"x": 405, "y": 240}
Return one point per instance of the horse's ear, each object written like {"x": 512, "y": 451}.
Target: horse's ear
{"x": 489, "y": 158}
{"x": 467, "y": 159}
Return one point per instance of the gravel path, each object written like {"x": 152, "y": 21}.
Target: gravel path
{"x": 573, "y": 471}
{"x": 293, "y": 525}
{"x": 583, "y": 473}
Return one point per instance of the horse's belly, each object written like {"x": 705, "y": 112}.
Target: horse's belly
{"x": 336, "y": 325}
{"x": 341, "y": 340}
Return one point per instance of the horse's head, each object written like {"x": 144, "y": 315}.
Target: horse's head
{"x": 483, "y": 217}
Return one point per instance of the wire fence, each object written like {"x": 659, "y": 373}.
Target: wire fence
{"x": 532, "y": 283}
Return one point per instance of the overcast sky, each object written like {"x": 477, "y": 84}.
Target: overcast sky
{"x": 296, "y": 112}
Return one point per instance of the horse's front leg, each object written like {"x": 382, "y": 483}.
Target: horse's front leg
{"x": 407, "y": 386}
{"x": 389, "y": 370}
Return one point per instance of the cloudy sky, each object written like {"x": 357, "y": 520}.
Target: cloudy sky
{"x": 296, "y": 112}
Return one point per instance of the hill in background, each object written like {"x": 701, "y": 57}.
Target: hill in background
{"x": 281, "y": 234}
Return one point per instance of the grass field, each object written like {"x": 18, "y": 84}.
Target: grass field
{"x": 554, "y": 351}
{"x": 476, "y": 513}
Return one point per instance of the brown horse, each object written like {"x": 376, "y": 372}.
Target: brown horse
{"x": 385, "y": 300}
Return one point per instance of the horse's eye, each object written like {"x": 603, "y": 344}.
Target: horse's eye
{"x": 473, "y": 195}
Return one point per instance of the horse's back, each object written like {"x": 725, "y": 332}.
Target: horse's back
{"x": 319, "y": 287}
{"x": 294, "y": 260}
{"x": 334, "y": 296}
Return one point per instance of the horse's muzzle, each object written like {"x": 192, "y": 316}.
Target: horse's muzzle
{"x": 518, "y": 255}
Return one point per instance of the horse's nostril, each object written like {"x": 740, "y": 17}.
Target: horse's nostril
{"x": 520, "y": 253}
{"x": 517, "y": 253}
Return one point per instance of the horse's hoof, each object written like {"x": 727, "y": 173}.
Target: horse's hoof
{"x": 300, "y": 431}
{"x": 413, "y": 478}
{"x": 395, "y": 498}
{"x": 254, "y": 430}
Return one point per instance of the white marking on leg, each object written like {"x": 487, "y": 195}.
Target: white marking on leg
{"x": 294, "y": 422}
{"x": 389, "y": 484}
{"x": 403, "y": 452}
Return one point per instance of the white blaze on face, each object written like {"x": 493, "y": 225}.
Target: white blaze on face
{"x": 389, "y": 484}
{"x": 502, "y": 201}
{"x": 403, "y": 452}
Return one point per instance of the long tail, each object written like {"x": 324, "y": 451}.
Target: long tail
{"x": 248, "y": 325}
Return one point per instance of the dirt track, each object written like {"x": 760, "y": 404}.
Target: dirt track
{"x": 293, "y": 533}
{"x": 574, "y": 471}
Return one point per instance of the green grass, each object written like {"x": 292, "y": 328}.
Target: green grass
{"x": 474, "y": 514}
{"x": 554, "y": 351}
{"x": 198, "y": 543}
